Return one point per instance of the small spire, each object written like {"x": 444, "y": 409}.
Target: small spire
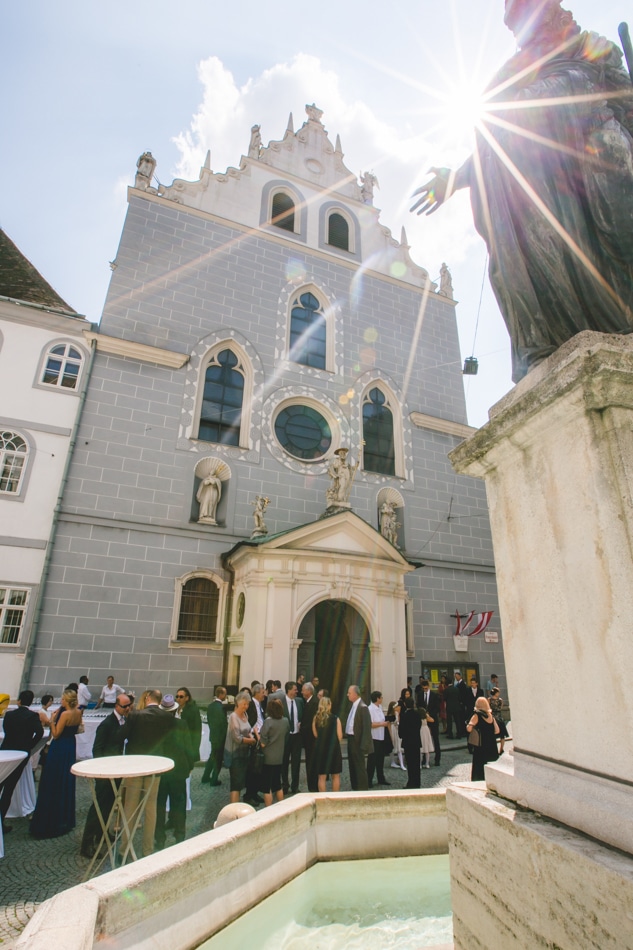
{"x": 339, "y": 148}
{"x": 207, "y": 161}
{"x": 403, "y": 237}
{"x": 291, "y": 125}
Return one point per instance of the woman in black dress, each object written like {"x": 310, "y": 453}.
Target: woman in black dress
{"x": 327, "y": 729}
{"x": 486, "y": 725}
{"x": 409, "y": 732}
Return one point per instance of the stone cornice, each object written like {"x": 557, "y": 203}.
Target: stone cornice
{"x": 136, "y": 351}
{"x": 422, "y": 421}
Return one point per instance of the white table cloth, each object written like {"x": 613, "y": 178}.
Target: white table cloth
{"x": 9, "y": 760}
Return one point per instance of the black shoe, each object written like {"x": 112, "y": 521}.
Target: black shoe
{"x": 254, "y": 802}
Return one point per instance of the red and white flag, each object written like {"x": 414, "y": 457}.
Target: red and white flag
{"x": 461, "y": 627}
{"x": 482, "y": 622}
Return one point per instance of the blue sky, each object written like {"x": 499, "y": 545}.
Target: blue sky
{"x": 86, "y": 87}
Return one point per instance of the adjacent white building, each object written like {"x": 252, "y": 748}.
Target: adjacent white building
{"x": 44, "y": 365}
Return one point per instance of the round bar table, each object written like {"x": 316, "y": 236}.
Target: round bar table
{"x": 9, "y": 760}
{"x": 116, "y": 768}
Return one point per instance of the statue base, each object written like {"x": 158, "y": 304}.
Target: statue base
{"x": 259, "y": 533}
{"x": 207, "y": 521}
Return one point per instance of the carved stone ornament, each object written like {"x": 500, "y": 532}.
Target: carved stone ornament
{"x": 314, "y": 114}
{"x": 145, "y": 168}
{"x": 261, "y": 504}
{"x": 341, "y": 479}
{"x": 212, "y": 472}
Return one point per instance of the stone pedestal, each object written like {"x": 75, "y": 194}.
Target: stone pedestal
{"x": 557, "y": 459}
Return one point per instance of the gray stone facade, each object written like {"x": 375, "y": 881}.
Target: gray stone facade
{"x": 185, "y": 281}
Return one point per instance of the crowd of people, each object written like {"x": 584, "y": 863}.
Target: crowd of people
{"x": 260, "y": 741}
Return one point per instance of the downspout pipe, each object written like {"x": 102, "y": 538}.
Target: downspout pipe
{"x": 30, "y": 649}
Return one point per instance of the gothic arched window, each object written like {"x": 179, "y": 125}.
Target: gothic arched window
{"x": 308, "y": 331}
{"x": 222, "y": 399}
{"x": 338, "y": 231}
{"x": 379, "y": 450}
{"x": 13, "y": 455}
{"x": 283, "y": 211}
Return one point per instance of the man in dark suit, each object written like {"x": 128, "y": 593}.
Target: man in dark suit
{"x": 429, "y": 699}
{"x": 145, "y": 731}
{"x": 22, "y": 731}
{"x": 359, "y": 739}
{"x": 293, "y": 710}
{"x": 310, "y": 706}
{"x": 108, "y": 741}
{"x": 471, "y": 695}
{"x": 255, "y": 714}
{"x": 217, "y": 722}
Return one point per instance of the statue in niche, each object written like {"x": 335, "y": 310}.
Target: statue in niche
{"x": 145, "y": 168}
{"x": 446, "y": 282}
{"x": 388, "y": 523}
{"x": 368, "y": 182}
{"x": 208, "y": 495}
{"x": 313, "y": 113}
{"x": 342, "y": 476}
{"x": 256, "y": 142}
{"x": 551, "y": 185}
{"x": 261, "y": 504}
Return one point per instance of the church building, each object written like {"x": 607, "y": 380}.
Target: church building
{"x": 260, "y": 485}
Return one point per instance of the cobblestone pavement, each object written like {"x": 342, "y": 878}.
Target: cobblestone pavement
{"x": 34, "y": 870}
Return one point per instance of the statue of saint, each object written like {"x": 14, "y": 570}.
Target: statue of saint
{"x": 388, "y": 523}
{"x": 261, "y": 504}
{"x": 368, "y": 182}
{"x": 446, "y": 282}
{"x": 342, "y": 475}
{"x": 208, "y": 495}
{"x": 145, "y": 168}
{"x": 551, "y": 184}
{"x": 256, "y": 142}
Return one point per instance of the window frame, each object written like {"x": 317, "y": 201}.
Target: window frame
{"x": 393, "y": 404}
{"x": 329, "y": 316}
{"x": 19, "y": 491}
{"x": 179, "y": 585}
{"x": 269, "y": 191}
{"x": 46, "y": 353}
{"x": 245, "y": 367}
{"x": 326, "y": 210}
{"x": 320, "y": 407}
{"x": 4, "y": 607}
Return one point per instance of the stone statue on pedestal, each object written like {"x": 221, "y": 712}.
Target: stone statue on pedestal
{"x": 368, "y": 182}
{"x": 146, "y": 166}
{"x": 208, "y": 495}
{"x": 342, "y": 476}
{"x": 552, "y": 185}
{"x": 261, "y": 504}
{"x": 256, "y": 142}
{"x": 446, "y": 282}
{"x": 388, "y": 523}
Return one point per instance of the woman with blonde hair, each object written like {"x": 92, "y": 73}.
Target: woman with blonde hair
{"x": 54, "y": 813}
{"x": 328, "y": 732}
{"x": 486, "y": 726}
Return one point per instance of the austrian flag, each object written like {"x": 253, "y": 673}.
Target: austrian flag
{"x": 481, "y": 623}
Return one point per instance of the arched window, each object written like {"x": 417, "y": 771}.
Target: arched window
{"x": 63, "y": 366}
{"x": 338, "y": 231}
{"x": 222, "y": 399}
{"x": 379, "y": 451}
{"x": 198, "y": 612}
{"x": 308, "y": 331}
{"x": 283, "y": 211}
{"x": 13, "y": 454}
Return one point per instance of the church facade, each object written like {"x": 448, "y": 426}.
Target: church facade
{"x": 260, "y": 485}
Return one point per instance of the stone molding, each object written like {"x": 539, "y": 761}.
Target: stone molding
{"x": 423, "y": 421}
{"x": 115, "y": 346}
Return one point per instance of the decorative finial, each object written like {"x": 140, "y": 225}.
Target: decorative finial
{"x": 314, "y": 114}
{"x": 339, "y": 148}
{"x": 403, "y": 238}
{"x": 291, "y": 124}
{"x": 256, "y": 142}
{"x": 207, "y": 161}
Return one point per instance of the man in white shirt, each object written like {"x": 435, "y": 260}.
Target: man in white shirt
{"x": 84, "y": 696}
{"x": 109, "y": 694}
{"x": 376, "y": 759}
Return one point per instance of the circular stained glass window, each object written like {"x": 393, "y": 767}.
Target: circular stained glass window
{"x": 303, "y": 432}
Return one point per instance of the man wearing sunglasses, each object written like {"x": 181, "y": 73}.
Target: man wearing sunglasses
{"x": 108, "y": 741}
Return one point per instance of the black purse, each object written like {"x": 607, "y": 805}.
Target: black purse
{"x": 257, "y": 761}
{"x": 474, "y": 739}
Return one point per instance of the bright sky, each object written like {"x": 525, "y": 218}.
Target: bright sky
{"x": 86, "y": 87}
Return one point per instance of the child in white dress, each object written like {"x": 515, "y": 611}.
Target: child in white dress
{"x": 426, "y": 738}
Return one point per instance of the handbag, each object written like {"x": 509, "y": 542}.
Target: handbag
{"x": 258, "y": 760}
{"x": 227, "y": 758}
{"x": 474, "y": 739}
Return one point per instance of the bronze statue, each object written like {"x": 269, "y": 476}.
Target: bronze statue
{"x": 551, "y": 182}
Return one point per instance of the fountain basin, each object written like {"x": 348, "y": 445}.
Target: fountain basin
{"x": 178, "y": 898}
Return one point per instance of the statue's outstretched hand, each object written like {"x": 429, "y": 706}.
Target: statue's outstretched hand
{"x": 435, "y": 192}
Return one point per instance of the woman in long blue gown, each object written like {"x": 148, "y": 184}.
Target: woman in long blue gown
{"x": 54, "y": 813}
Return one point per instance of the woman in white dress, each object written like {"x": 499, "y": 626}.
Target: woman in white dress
{"x": 392, "y": 717}
{"x": 426, "y": 738}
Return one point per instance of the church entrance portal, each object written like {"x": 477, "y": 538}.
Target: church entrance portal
{"x": 335, "y": 647}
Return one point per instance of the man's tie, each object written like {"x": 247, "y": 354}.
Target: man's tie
{"x": 292, "y": 715}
